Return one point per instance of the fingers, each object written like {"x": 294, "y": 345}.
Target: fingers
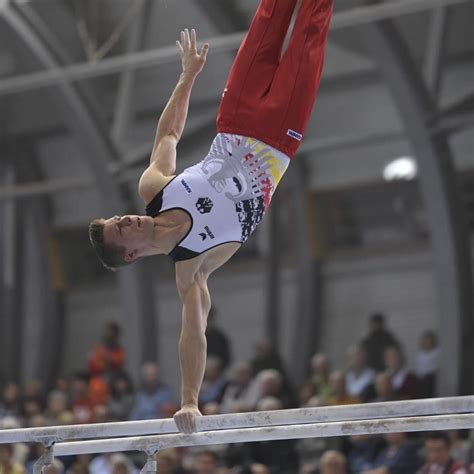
{"x": 204, "y": 51}
{"x": 186, "y": 422}
{"x": 180, "y": 47}
{"x": 193, "y": 39}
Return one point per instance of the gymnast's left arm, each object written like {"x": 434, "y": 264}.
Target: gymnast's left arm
{"x": 172, "y": 120}
{"x": 192, "y": 348}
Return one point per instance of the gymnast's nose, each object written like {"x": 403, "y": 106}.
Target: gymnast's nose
{"x": 125, "y": 221}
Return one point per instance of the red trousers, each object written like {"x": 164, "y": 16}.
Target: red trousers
{"x": 268, "y": 96}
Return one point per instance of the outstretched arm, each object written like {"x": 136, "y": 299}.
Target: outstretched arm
{"x": 172, "y": 120}
{"x": 192, "y": 349}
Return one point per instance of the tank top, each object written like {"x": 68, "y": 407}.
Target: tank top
{"x": 225, "y": 195}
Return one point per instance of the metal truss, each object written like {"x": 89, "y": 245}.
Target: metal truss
{"x": 153, "y": 57}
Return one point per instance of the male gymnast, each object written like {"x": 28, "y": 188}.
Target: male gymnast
{"x": 202, "y": 216}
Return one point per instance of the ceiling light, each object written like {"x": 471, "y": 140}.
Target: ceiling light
{"x": 401, "y": 169}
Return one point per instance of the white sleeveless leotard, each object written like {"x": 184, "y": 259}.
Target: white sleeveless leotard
{"x": 225, "y": 195}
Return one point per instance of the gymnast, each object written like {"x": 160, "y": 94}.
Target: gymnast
{"x": 202, "y": 216}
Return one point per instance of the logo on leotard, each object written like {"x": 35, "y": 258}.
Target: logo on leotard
{"x": 209, "y": 233}
{"x": 204, "y": 205}
{"x": 186, "y": 186}
{"x": 295, "y": 135}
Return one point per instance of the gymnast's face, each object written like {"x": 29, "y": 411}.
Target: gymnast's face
{"x": 135, "y": 233}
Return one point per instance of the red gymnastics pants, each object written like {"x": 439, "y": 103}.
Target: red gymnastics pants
{"x": 268, "y": 96}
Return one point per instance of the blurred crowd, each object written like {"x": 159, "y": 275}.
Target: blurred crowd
{"x": 376, "y": 370}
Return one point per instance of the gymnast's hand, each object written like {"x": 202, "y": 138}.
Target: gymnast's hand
{"x": 185, "y": 418}
{"x": 192, "y": 61}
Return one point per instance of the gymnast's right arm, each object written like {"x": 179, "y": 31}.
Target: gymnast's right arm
{"x": 192, "y": 348}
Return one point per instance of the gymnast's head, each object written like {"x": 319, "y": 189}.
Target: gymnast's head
{"x": 119, "y": 241}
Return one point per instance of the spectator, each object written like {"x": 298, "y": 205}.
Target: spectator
{"x": 427, "y": 361}
{"x": 461, "y": 449}
{"x": 236, "y": 397}
{"x": 168, "y": 462}
{"x": 19, "y": 450}
{"x": 121, "y": 464}
{"x": 105, "y": 359}
{"x": 339, "y": 395}
{"x": 333, "y": 462}
{"x": 269, "y": 383}
{"x": 266, "y": 357}
{"x": 403, "y": 381}
{"x": 207, "y": 462}
{"x": 7, "y": 464}
{"x": 438, "y": 459}
{"x": 320, "y": 371}
{"x": 360, "y": 377}
{"x": 363, "y": 451}
{"x": 384, "y": 391}
{"x": 310, "y": 450}
{"x": 152, "y": 396}
{"x": 399, "y": 457}
{"x": 57, "y": 404}
{"x": 82, "y": 404}
{"x": 378, "y": 339}
{"x": 258, "y": 469}
{"x": 121, "y": 397}
{"x": 10, "y": 403}
{"x": 214, "y": 383}
{"x": 109, "y": 356}
{"x": 218, "y": 344}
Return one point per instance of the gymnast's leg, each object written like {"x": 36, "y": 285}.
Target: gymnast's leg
{"x": 255, "y": 65}
{"x": 273, "y": 98}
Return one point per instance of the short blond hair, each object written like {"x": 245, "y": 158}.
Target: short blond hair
{"x": 111, "y": 256}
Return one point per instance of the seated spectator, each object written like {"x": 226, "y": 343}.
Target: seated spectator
{"x": 399, "y": 457}
{"x": 403, "y": 381}
{"x": 461, "y": 449}
{"x": 269, "y": 383}
{"x": 267, "y": 357}
{"x": 339, "y": 395}
{"x": 109, "y": 356}
{"x": 207, "y": 462}
{"x": 169, "y": 462}
{"x": 237, "y": 396}
{"x": 105, "y": 359}
{"x": 10, "y": 402}
{"x": 218, "y": 344}
{"x": 320, "y": 371}
{"x": 214, "y": 382}
{"x": 437, "y": 456}
{"x": 427, "y": 363}
{"x": 152, "y": 395}
{"x": 333, "y": 462}
{"x": 310, "y": 450}
{"x": 360, "y": 378}
{"x": 82, "y": 405}
{"x": 384, "y": 391}
{"x": 121, "y": 397}
{"x": 56, "y": 405}
{"x": 363, "y": 450}
{"x": 121, "y": 464}
{"x": 19, "y": 450}
{"x": 7, "y": 464}
{"x": 258, "y": 469}
{"x": 377, "y": 340}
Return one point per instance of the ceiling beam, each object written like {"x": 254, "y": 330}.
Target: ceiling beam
{"x": 100, "y": 150}
{"x": 354, "y": 17}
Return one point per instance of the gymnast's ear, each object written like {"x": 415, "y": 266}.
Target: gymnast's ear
{"x": 131, "y": 256}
